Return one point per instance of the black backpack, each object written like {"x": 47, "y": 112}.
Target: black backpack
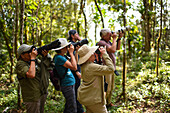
{"x": 56, "y": 78}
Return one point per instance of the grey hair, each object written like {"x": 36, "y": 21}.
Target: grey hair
{"x": 104, "y": 32}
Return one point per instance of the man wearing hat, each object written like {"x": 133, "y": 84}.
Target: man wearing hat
{"x": 91, "y": 91}
{"x": 111, "y": 48}
{"x": 64, "y": 67}
{"x": 74, "y": 37}
{"x": 33, "y": 77}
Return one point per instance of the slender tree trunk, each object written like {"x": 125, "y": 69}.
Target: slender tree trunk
{"x": 154, "y": 23}
{"x": 26, "y": 30}
{"x": 100, "y": 13}
{"x": 16, "y": 40}
{"x": 16, "y": 27}
{"x": 51, "y": 22}
{"x": 37, "y": 35}
{"x": 22, "y": 7}
{"x": 124, "y": 56}
{"x": 158, "y": 43}
{"x": 82, "y": 10}
{"x": 129, "y": 45}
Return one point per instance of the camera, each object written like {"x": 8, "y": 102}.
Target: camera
{"x": 98, "y": 51}
{"x": 80, "y": 43}
{"x": 52, "y": 45}
{"x": 122, "y": 30}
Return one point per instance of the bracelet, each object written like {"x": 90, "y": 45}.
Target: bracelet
{"x": 76, "y": 70}
{"x": 32, "y": 60}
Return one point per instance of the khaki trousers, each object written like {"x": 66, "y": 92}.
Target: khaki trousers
{"x": 36, "y": 107}
{"x": 110, "y": 87}
{"x": 97, "y": 108}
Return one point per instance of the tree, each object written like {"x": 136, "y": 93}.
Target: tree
{"x": 158, "y": 42}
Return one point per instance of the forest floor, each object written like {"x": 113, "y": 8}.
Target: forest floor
{"x": 145, "y": 92}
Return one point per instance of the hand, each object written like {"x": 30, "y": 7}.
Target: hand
{"x": 120, "y": 35}
{"x": 77, "y": 48}
{"x": 71, "y": 48}
{"x": 78, "y": 38}
{"x": 114, "y": 35}
{"x": 78, "y": 74}
{"x": 34, "y": 53}
{"x": 44, "y": 52}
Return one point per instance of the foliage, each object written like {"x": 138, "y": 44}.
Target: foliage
{"x": 47, "y": 20}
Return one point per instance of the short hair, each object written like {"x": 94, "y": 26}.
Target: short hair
{"x": 71, "y": 32}
{"x": 104, "y": 32}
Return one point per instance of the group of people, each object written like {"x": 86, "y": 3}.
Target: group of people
{"x": 83, "y": 78}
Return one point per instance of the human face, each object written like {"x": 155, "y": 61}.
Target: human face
{"x": 26, "y": 56}
{"x": 107, "y": 37}
{"x": 92, "y": 57}
{"x": 76, "y": 37}
{"x": 64, "y": 50}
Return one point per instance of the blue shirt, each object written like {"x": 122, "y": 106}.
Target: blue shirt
{"x": 69, "y": 79}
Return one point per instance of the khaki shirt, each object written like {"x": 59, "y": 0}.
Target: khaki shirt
{"x": 91, "y": 90}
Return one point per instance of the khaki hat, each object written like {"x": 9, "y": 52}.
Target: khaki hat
{"x": 23, "y": 48}
{"x": 64, "y": 43}
{"x": 85, "y": 52}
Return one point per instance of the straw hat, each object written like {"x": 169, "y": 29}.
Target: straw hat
{"x": 64, "y": 43}
{"x": 23, "y": 48}
{"x": 85, "y": 52}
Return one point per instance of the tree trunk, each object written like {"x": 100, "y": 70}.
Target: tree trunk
{"x": 16, "y": 27}
{"x": 129, "y": 45}
{"x": 37, "y": 35}
{"x": 22, "y": 7}
{"x": 82, "y": 10}
{"x": 100, "y": 13}
{"x": 154, "y": 23}
{"x": 32, "y": 34}
{"x": 124, "y": 56}
{"x": 51, "y": 22}
{"x": 158, "y": 43}
{"x": 147, "y": 28}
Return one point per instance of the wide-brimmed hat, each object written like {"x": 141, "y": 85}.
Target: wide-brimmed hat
{"x": 23, "y": 48}
{"x": 63, "y": 42}
{"x": 85, "y": 52}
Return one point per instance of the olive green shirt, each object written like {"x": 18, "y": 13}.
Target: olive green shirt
{"x": 33, "y": 88}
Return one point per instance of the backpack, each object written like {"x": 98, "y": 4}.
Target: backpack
{"x": 55, "y": 78}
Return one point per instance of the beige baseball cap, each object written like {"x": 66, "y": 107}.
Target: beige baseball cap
{"x": 23, "y": 48}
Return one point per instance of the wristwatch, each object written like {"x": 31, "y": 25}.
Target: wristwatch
{"x": 32, "y": 60}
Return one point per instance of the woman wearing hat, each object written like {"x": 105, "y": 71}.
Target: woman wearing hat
{"x": 63, "y": 67}
{"x": 91, "y": 90}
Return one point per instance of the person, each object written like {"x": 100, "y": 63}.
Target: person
{"x": 111, "y": 48}
{"x": 74, "y": 37}
{"x": 91, "y": 90}
{"x": 33, "y": 76}
{"x": 64, "y": 67}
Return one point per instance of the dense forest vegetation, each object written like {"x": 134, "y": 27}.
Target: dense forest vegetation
{"x": 143, "y": 60}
